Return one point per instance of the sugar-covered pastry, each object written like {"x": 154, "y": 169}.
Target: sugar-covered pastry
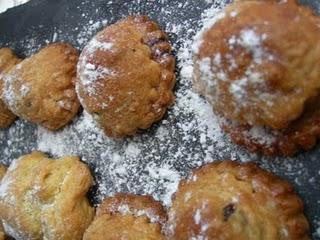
{"x": 258, "y": 64}
{"x": 127, "y": 216}
{"x": 126, "y": 75}
{"x": 7, "y": 61}
{"x": 41, "y": 88}
{"x": 42, "y": 198}
{"x": 231, "y": 201}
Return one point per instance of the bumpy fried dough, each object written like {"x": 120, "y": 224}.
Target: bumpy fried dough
{"x": 128, "y": 217}
{"x": 259, "y": 66}
{"x": 41, "y": 88}
{"x": 227, "y": 200}
{"x": 126, "y": 75}
{"x": 41, "y": 198}
{"x": 7, "y": 61}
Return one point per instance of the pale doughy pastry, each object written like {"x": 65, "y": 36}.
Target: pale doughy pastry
{"x": 41, "y": 88}
{"x": 126, "y": 75}
{"x": 7, "y": 61}
{"x": 42, "y": 198}
{"x": 231, "y": 201}
{"x": 129, "y": 217}
{"x": 258, "y": 64}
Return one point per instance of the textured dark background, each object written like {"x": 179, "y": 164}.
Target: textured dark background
{"x": 39, "y": 19}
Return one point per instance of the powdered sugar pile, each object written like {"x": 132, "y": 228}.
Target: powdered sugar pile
{"x": 153, "y": 161}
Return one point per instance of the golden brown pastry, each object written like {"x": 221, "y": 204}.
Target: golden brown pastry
{"x": 41, "y": 198}
{"x": 129, "y": 217}
{"x": 7, "y": 61}
{"x": 227, "y": 200}
{"x": 2, "y": 172}
{"x": 258, "y": 64}
{"x": 126, "y": 75}
{"x": 41, "y": 88}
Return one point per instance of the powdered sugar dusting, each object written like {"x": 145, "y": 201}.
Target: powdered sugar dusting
{"x": 91, "y": 73}
{"x": 153, "y": 161}
{"x": 11, "y": 96}
{"x": 125, "y": 209}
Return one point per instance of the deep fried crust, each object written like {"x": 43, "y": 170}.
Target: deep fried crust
{"x": 126, "y": 75}
{"x": 127, "y": 216}
{"x": 255, "y": 73}
{"x": 7, "y": 61}
{"x": 41, "y": 88}
{"x": 302, "y": 134}
{"x": 41, "y": 198}
{"x": 228, "y": 200}
{"x": 267, "y": 78}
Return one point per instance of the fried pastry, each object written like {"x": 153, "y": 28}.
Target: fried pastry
{"x": 227, "y": 200}
{"x": 7, "y": 61}
{"x": 41, "y": 88}
{"x": 258, "y": 64}
{"x": 2, "y": 172}
{"x": 41, "y": 198}
{"x": 126, "y": 75}
{"x": 129, "y": 217}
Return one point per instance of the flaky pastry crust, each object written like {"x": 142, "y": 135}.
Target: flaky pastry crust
{"x": 41, "y": 88}
{"x": 127, "y": 216}
{"x": 41, "y": 198}
{"x": 126, "y": 75}
{"x": 7, "y": 61}
{"x": 255, "y": 74}
{"x": 228, "y": 200}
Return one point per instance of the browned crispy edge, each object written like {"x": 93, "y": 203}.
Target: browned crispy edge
{"x": 282, "y": 191}
{"x": 300, "y": 135}
{"x": 134, "y": 202}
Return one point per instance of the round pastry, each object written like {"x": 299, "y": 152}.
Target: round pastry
{"x": 227, "y": 200}
{"x": 7, "y": 61}
{"x": 41, "y": 198}
{"x": 129, "y": 217}
{"x": 126, "y": 75}
{"x": 41, "y": 88}
{"x": 258, "y": 64}
{"x": 2, "y": 172}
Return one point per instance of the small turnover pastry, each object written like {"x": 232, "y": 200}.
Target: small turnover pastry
{"x": 41, "y": 88}
{"x": 41, "y": 198}
{"x": 129, "y": 217}
{"x": 126, "y": 75}
{"x": 2, "y": 172}
{"x": 7, "y": 61}
{"x": 258, "y": 64}
{"x": 227, "y": 200}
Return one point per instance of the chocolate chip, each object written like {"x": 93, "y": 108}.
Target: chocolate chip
{"x": 228, "y": 211}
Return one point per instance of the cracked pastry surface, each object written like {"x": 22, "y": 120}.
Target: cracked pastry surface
{"x": 7, "y": 61}
{"x": 41, "y": 198}
{"x": 2, "y": 172}
{"x": 127, "y": 216}
{"x": 229, "y": 200}
{"x": 41, "y": 88}
{"x": 126, "y": 75}
{"x": 260, "y": 77}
